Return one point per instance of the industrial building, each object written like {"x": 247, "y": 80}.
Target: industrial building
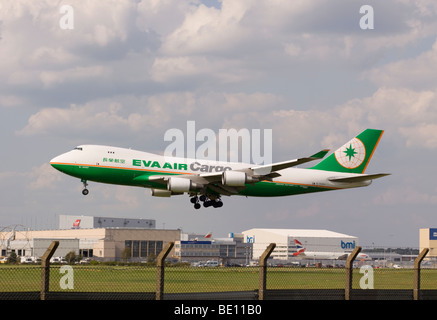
{"x": 90, "y": 222}
{"x": 101, "y": 238}
{"x": 310, "y": 240}
{"x": 112, "y": 239}
{"x": 107, "y": 239}
{"x": 227, "y": 251}
{"x": 428, "y": 239}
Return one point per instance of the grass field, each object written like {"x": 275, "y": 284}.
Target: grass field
{"x": 186, "y": 279}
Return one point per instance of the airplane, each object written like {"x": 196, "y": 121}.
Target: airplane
{"x": 301, "y": 253}
{"x": 207, "y": 181}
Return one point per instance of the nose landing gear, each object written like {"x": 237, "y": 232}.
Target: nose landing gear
{"x": 85, "y": 191}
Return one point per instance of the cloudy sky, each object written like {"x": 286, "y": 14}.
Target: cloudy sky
{"x": 128, "y": 71}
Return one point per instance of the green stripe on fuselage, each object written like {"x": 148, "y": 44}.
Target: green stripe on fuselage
{"x": 111, "y": 175}
{"x": 140, "y": 178}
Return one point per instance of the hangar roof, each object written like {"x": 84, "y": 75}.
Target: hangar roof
{"x": 301, "y": 232}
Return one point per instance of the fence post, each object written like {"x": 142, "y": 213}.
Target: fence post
{"x": 349, "y": 270}
{"x": 417, "y": 262}
{"x": 45, "y": 270}
{"x": 263, "y": 270}
{"x": 160, "y": 264}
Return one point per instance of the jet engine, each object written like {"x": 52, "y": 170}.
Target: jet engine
{"x": 181, "y": 185}
{"x": 161, "y": 193}
{"x": 236, "y": 179}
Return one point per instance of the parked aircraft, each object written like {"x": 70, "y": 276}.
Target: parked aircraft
{"x": 302, "y": 253}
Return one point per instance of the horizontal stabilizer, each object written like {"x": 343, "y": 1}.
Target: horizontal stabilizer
{"x": 360, "y": 178}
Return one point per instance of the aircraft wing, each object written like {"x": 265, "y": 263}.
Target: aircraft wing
{"x": 253, "y": 174}
{"x": 287, "y": 164}
{"x": 237, "y": 179}
{"x": 267, "y": 172}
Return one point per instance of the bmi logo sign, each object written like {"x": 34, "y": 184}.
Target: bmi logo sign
{"x": 348, "y": 245}
{"x": 250, "y": 239}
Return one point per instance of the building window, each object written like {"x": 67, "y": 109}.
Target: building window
{"x": 86, "y": 253}
{"x": 143, "y": 249}
{"x": 143, "y": 252}
{"x": 135, "y": 249}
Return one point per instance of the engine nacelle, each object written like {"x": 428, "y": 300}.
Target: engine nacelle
{"x": 160, "y": 193}
{"x": 181, "y": 185}
{"x": 164, "y": 193}
{"x": 236, "y": 179}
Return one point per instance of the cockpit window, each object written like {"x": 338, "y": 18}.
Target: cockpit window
{"x": 78, "y": 148}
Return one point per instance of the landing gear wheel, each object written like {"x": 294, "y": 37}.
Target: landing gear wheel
{"x": 195, "y": 200}
{"x": 85, "y": 190}
{"x": 215, "y": 202}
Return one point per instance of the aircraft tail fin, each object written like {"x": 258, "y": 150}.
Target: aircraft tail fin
{"x": 353, "y": 156}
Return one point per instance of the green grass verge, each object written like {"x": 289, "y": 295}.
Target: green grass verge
{"x": 186, "y": 279}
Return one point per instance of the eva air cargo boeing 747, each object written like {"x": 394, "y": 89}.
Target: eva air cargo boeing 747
{"x": 206, "y": 181}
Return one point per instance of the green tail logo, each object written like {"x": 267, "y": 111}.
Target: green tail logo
{"x": 353, "y": 156}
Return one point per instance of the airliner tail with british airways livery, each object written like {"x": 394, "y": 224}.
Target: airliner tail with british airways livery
{"x": 206, "y": 181}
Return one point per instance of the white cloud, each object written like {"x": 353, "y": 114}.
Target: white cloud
{"x": 414, "y": 73}
{"x": 11, "y": 100}
{"x": 421, "y": 136}
{"x": 43, "y": 177}
{"x": 409, "y": 115}
{"x": 145, "y": 113}
{"x": 75, "y": 75}
{"x": 405, "y": 195}
{"x": 207, "y": 29}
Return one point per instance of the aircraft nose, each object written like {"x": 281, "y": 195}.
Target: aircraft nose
{"x": 58, "y": 161}
{"x": 54, "y": 160}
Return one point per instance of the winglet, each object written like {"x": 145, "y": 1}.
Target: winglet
{"x": 320, "y": 154}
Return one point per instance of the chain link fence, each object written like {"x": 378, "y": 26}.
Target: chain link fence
{"x": 184, "y": 281}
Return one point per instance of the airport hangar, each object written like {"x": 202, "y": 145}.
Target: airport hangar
{"x": 313, "y": 240}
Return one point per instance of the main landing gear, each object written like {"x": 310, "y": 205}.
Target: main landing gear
{"x": 85, "y": 191}
{"x": 215, "y": 203}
